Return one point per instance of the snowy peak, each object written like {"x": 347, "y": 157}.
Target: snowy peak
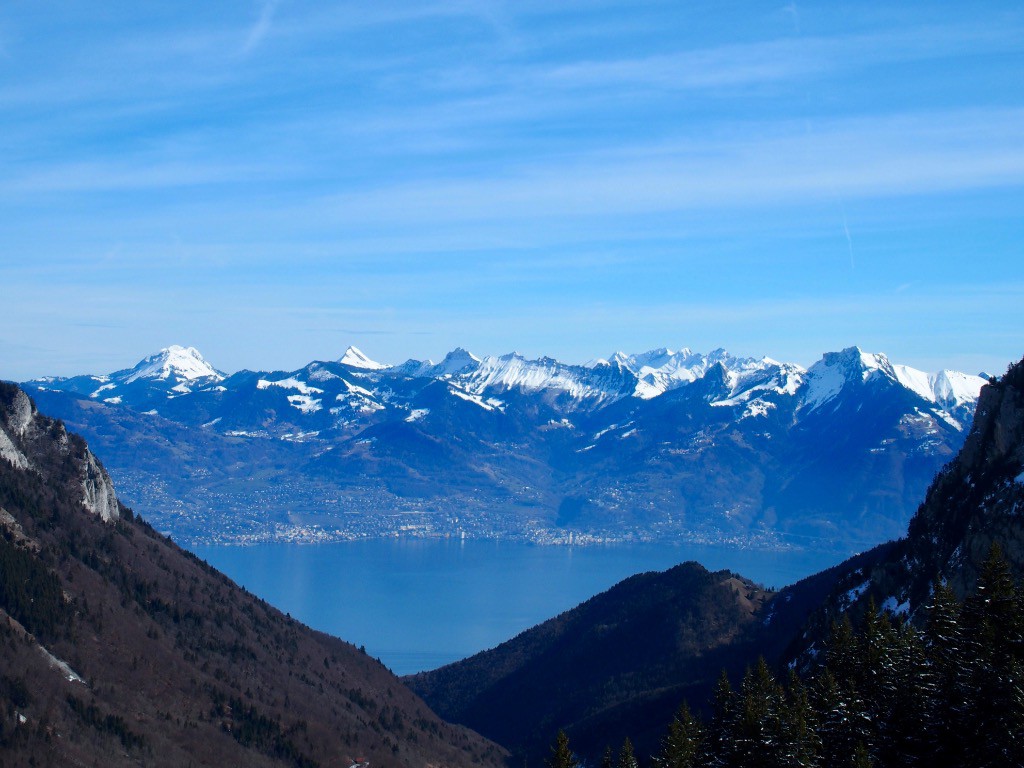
{"x": 659, "y": 370}
{"x": 182, "y": 364}
{"x": 354, "y": 358}
{"x": 457, "y": 361}
{"x": 829, "y": 376}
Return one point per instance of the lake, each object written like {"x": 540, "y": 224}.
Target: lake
{"x": 418, "y": 604}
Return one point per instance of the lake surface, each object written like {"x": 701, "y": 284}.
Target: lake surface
{"x": 420, "y": 603}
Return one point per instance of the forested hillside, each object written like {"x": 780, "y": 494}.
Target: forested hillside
{"x": 119, "y": 648}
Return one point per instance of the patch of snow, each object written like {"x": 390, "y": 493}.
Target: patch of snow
{"x": 113, "y": 400}
{"x": 212, "y": 423}
{"x": 853, "y": 595}
{"x": 299, "y": 437}
{"x": 948, "y": 418}
{"x": 152, "y": 412}
{"x": 358, "y": 398}
{"x": 104, "y": 388}
{"x": 630, "y": 433}
{"x": 289, "y": 383}
{"x": 304, "y": 403}
{"x": 1019, "y": 478}
{"x": 62, "y": 666}
{"x": 757, "y": 408}
{"x": 660, "y": 370}
{"x": 416, "y": 414}
{"x": 357, "y": 390}
{"x": 318, "y": 373}
{"x": 895, "y": 607}
{"x": 469, "y": 397}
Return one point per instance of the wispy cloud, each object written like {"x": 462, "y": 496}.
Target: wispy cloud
{"x": 911, "y": 154}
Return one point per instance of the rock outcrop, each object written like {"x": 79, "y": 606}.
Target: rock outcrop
{"x": 28, "y": 440}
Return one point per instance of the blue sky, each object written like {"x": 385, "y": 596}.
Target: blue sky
{"x": 273, "y": 181}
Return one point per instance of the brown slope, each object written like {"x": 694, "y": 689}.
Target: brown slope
{"x": 119, "y": 648}
{"x": 598, "y": 669}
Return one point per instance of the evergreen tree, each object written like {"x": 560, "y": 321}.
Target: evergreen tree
{"x": 843, "y": 652}
{"x": 758, "y": 730}
{"x": 721, "y": 736}
{"x": 607, "y": 761}
{"x": 943, "y": 643}
{"x": 907, "y": 728}
{"x": 842, "y": 720}
{"x": 993, "y": 707}
{"x": 561, "y": 755}
{"x": 627, "y": 758}
{"x": 683, "y": 744}
{"x": 801, "y": 744}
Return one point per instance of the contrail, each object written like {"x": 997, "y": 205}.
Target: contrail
{"x": 846, "y": 231}
{"x": 262, "y": 26}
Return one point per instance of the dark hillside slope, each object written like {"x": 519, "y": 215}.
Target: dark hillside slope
{"x": 602, "y": 668}
{"x": 119, "y": 648}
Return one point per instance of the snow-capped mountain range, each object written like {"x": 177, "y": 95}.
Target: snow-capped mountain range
{"x": 176, "y": 371}
{"x": 663, "y": 443}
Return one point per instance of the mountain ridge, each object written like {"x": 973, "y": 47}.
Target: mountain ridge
{"x": 665, "y": 444}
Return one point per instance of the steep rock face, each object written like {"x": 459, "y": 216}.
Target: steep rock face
{"x": 28, "y": 439}
{"x": 120, "y": 649}
{"x": 98, "y": 490}
{"x": 979, "y": 498}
